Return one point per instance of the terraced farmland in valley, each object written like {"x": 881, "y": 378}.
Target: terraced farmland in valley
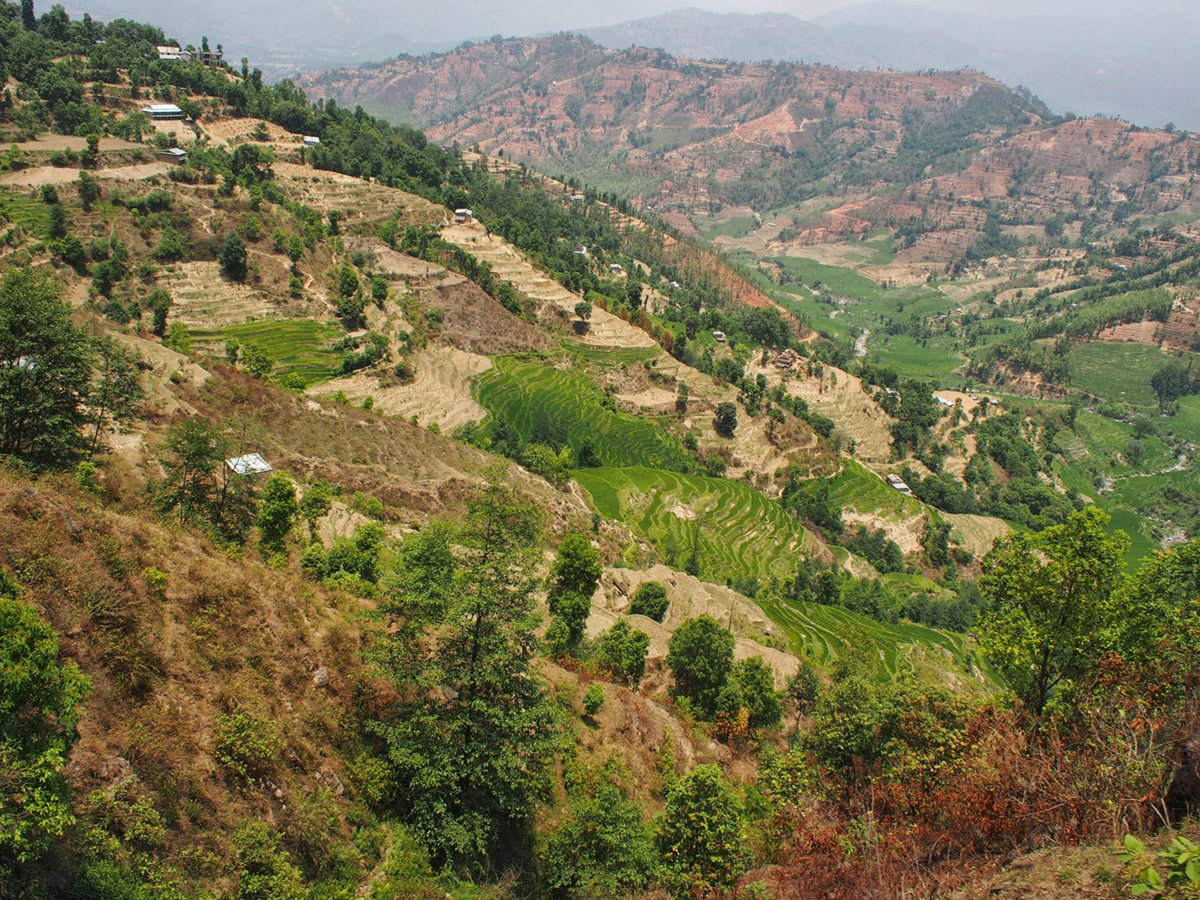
{"x": 524, "y": 393}
{"x": 824, "y": 633}
{"x": 741, "y": 533}
{"x": 297, "y": 346}
{"x": 857, "y": 488}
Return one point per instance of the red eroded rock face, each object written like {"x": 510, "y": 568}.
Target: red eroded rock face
{"x": 931, "y": 150}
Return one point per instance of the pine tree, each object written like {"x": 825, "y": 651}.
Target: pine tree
{"x": 470, "y": 731}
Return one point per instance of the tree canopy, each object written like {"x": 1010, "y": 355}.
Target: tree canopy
{"x": 45, "y": 366}
{"x": 39, "y": 698}
{"x": 1051, "y": 604}
{"x": 470, "y": 730}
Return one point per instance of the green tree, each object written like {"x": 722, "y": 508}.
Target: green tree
{"x": 621, "y": 652}
{"x": 39, "y": 696}
{"x": 700, "y": 656}
{"x": 751, "y": 687}
{"x": 601, "y": 850}
{"x": 44, "y": 370}
{"x": 116, "y": 392}
{"x": 263, "y": 869}
{"x": 379, "y": 290}
{"x": 469, "y": 731}
{"x": 232, "y": 256}
{"x": 650, "y": 600}
{"x": 573, "y": 579}
{"x": 1050, "y": 604}
{"x": 159, "y": 302}
{"x": 700, "y": 835}
{"x": 593, "y": 698}
{"x": 56, "y": 223}
{"x": 89, "y": 190}
{"x": 726, "y": 421}
{"x": 583, "y": 309}
{"x": 199, "y": 487}
{"x": 255, "y": 361}
{"x": 277, "y": 511}
{"x": 315, "y": 503}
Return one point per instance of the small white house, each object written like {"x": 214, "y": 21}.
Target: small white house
{"x": 462, "y": 215}
{"x": 615, "y": 268}
{"x": 174, "y": 54}
{"x": 674, "y": 285}
{"x": 311, "y": 141}
{"x": 719, "y": 336}
{"x": 580, "y": 250}
{"x": 172, "y": 155}
{"x": 577, "y": 197}
{"x": 898, "y": 483}
{"x": 160, "y": 112}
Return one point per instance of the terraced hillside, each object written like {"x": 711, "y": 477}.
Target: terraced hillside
{"x": 738, "y": 534}
{"x": 295, "y": 346}
{"x": 524, "y": 393}
{"x": 824, "y": 633}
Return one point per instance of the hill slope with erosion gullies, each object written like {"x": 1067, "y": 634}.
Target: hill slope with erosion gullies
{"x": 830, "y": 153}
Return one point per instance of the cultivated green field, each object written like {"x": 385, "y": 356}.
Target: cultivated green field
{"x": 823, "y": 633}
{"x": 295, "y": 346}
{"x": 859, "y": 489}
{"x": 524, "y": 392}
{"x": 1118, "y": 371}
{"x": 741, "y": 533}
{"x": 31, "y": 214}
{"x": 604, "y": 356}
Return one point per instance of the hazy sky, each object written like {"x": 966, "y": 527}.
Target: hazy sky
{"x": 456, "y": 20}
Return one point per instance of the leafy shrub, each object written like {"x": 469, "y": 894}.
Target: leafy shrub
{"x": 593, "y": 698}
{"x": 247, "y": 746}
{"x": 621, "y": 652}
{"x": 650, "y": 600}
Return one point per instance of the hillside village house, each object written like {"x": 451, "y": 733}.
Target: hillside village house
{"x": 174, "y": 53}
{"x": 462, "y": 215}
{"x": 172, "y": 155}
{"x": 162, "y": 112}
{"x": 311, "y": 141}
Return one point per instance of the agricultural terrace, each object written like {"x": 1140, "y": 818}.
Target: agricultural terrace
{"x": 295, "y": 347}
{"x": 524, "y": 393}
{"x": 738, "y": 533}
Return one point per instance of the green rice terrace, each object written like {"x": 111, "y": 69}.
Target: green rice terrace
{"x": 297, "y": 346}
{"x": 738, "y": 533}
{"x": 526, "y": 392}
{"x": 824, "y": 633}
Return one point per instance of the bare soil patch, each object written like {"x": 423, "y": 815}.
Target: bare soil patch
{"x": 558, "y": 304}
{"x": 204, "y": 298}
{"x": 690, "y": 597}
{"x": 36, "y": 177}
{"x": 840, "y": 396}
{"x": 357, "y": 199}
{"x": 475, "y": 322}
{"x": 53, "y": 142}
{"x": 978, "y": 532}
{"x": 441, "y": 391}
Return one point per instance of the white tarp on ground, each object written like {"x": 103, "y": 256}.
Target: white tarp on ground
{"x": 250, "y": 464}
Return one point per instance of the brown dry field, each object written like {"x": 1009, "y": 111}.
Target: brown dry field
{"x": 440, "y": 393}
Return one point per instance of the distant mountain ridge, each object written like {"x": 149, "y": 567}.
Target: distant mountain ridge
{"x": 1142, "y": 68}
{"x": 941, "y": 156}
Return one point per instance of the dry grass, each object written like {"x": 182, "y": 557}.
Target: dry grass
{"x": 224, "y": 633}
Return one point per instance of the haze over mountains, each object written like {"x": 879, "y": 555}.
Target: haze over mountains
{"x": 1140, "y": 67}
{"x": 1114, "y": 58}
